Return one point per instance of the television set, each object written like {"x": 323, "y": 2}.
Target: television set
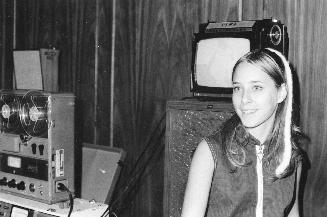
{"x": 218, "y": 46}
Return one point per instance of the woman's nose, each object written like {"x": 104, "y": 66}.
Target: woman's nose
{"x": 246, "y": 96}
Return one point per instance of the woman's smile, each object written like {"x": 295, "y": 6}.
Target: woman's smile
{"x": 248, "y": 111}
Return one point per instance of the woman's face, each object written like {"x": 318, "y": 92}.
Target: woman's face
{"x": 256, "y": 97}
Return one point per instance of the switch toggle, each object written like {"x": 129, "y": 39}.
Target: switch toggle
{"x": 41, "y": 149}
{"x": 33, "y": 148}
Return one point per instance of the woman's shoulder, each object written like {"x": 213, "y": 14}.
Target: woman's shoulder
{"x": 213, "y": 141}
{"x": 215, "y": 137}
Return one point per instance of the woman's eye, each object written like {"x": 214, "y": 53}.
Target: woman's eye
{"x": 257, "y": 87}
{"x": 236, "y": 88}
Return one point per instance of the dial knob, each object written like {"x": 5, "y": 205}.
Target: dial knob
{"x": 3, "y": 181}
{"x": 12, "y": 183}
{"x": 21, "y": 186}
{"x": 275, "y": 35}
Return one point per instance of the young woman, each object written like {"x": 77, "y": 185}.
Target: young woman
{"x": 251, "y": 166}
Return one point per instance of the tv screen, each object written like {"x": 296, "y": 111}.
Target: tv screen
{"x": 215, "y": 58}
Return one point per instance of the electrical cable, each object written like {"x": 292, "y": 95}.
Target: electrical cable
{"x": 142, "y": 153}
{"x": 148, "y": 143}
{"x": 138, "y": 174}
{"x": 105, "y": 213}
{"x": 63, "y": 187}
{"x": 114, "y": 214}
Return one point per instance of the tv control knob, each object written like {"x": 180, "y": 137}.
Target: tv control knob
{"x": 275, "y": 35}
{"x": 3, "y": 181}
{"x": 12, "y": 183}
{"x": 21, "y": 186}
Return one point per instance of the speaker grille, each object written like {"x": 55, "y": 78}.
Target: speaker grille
{"x": 187, "y": 123}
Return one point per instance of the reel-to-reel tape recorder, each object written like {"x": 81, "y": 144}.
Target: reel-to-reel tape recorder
{"x": 36, "y": 144}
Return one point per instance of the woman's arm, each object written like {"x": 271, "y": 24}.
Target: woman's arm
{"x": 199, "y": 182}
{"x": 295, "y": 209}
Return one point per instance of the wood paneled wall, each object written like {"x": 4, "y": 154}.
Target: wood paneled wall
{"x": 81, "y": 31}
{"x": 6, "y": 43}
{"x": 152, "y": 64}
{"x": 153, "y": 59}
{"x": 307, "y": 26}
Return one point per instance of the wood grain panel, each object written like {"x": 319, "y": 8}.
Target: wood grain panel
{"x": 307, "y": 30}
{"x": 218, "y": 10}
{"x": 6, "y": 43}
{"x": 252, "y": 9}
{"x": 86, "y": 78}
{"x": 69, "y": 27}
{"x": 104, "y": 73}
{"x": 153, "y": 60}
{"x": 138, "y": 104}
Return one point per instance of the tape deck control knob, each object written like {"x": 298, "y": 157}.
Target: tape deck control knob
{"x": 3, "y": 181}
{"x": 33, "y": 148}
{"x": 21, "y": 186}
{"x": 12, "y": 183}
{"x": 41, "y": 149}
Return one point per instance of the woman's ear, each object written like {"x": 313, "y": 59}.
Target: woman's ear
{"x": 282, "y": 93}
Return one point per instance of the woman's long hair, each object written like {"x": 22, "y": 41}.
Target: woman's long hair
{"x": 284, "y": 133}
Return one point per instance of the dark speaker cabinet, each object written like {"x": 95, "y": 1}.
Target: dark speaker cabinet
{"x": 188, "y": 121}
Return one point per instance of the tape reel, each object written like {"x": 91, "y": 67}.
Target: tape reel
{"x": 24, "y": 113}
{"x": 33, "y": 113}
{"x": 275, "y": 35}
{"x": 9, "y": 113}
